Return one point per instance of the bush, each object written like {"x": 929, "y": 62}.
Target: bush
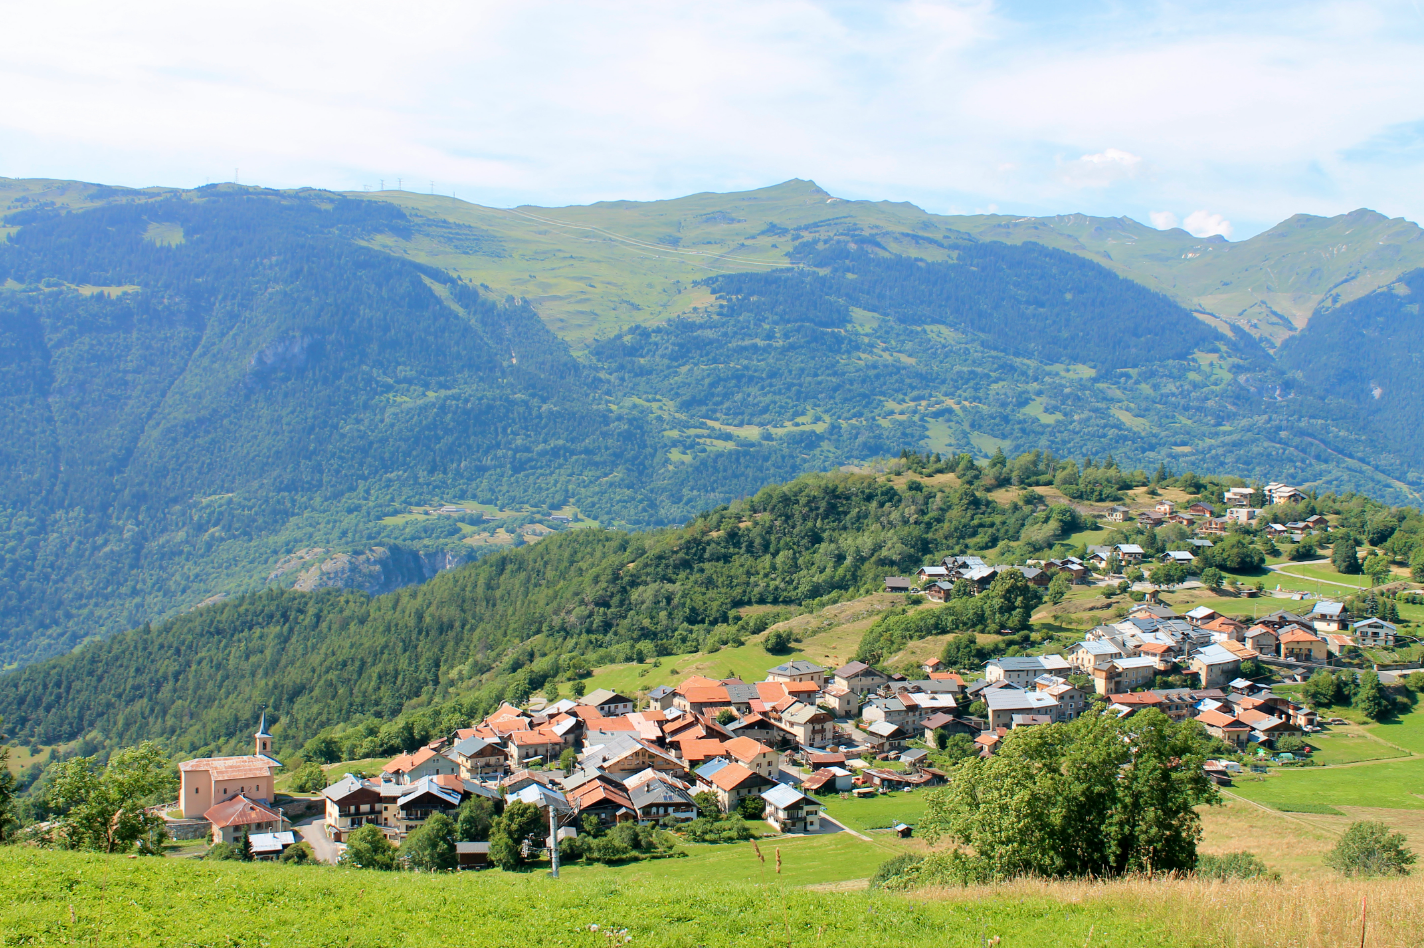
{"x": 301, "y": 854}
{"x": 1233, "y": 866}
{"x": 368, "y": 848}
{"x": 897, "y": 873}
{"x": 309, "y": 778}
{"x": 751, "y": 808}
{"x": 778, "y": 641}
{"x": 734, "y": 829}
{"x": 1290, "y": 744}
{"x": 221, "y": 852}
{"x": 1368, "y": 848}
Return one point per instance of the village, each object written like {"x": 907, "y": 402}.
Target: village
{"x": 773, "y": 750}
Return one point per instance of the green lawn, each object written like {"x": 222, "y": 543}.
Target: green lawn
{"x": 805, "y": 860}
{"x": 1327, "y": 573}
{"x": 749, "y": 662}
{"x": 1395, "y": 784}
{"x": 1349, "y": 748}
{"x": 57, "y": 898}
{"x": 876, "y": 812}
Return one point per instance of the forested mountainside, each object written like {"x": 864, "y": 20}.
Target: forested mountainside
{"x": 394, "y": 670}
{"x": 202, "y": 386}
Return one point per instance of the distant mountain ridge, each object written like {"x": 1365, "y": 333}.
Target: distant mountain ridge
{"x": 201, "y": 384}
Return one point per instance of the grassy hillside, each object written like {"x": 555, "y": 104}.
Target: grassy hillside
{"x": 60, "y": 897}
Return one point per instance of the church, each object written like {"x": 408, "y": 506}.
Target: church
{"x": 209, "y": 781}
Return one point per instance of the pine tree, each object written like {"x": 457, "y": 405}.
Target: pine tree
{"x": 1343, "y": 557}
{"x": 244, "y": 846}
{"x": 1370, "y": 699}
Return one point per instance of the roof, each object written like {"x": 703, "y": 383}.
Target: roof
{"x": 262, "y": 726}
{"x": 654, "y": 792}
{"x": 936, "y": 720}
{"x": 745, "y": 748}
{"x": 702, "y": 748}
{"x": 1328, "y": 609}
{"x": 661, "y": 691}
{"x": 1129, "y": 548}
{"x": 241, "y": 810}
{"x": 853, "y": 669}
{"x": 471, "y": 746}
{"x": 344, "y": 787}
{"x": 603, "y": 696}
{"x": 230, "y": 768}
{"x": 782, "y": 796}
{"x": 732, "y": 776}
{"x": 706, "y": 694}
{"x": 1218, "y": 719}
{"x": 797, "y": 667}
{"x": 1298, "y": 635}
{"x": 1005, "y": 699}
{"x": 535, "y": 738}
{"x": 429, "y": 785}
{"x": 1373, "y": 622}
{"x": 271, "y": 842}
{"x": 542, "y": 796}
{"x": 884, "y": 729}
{"x": 1215, "y": 655}
{"x": 408, "y": 762}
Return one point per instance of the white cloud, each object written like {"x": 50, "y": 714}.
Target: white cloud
{"x": 942, "y": 102}
{"x": 1164, "y": 220}
{"x": 1206, "y": 224}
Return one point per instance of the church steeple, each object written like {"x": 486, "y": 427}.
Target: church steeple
{"x": 263, "y": 739}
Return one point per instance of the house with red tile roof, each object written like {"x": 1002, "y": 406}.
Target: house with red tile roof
{"x": 732, "y": 783}
{"x": 755, "y": 756}
{"x": 408, "y": 768}
{"x": 242, "y": 814}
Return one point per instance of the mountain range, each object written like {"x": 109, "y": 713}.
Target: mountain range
{"x": 199, "y": 385}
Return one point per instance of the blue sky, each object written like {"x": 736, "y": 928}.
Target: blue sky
{"x": 1226, "y": 117}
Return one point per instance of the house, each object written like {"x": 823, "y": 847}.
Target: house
{"x": 791, "y": 811}
{"x": 897, "y": 584}
{"x": 1262, "y": 639}
{"x": 931, "y": 574}
{"x": 410, "y": 768}
{"x": 1329, "y": 617}
{"x": 1021, "y": 670}
{"x": 1129, "y": 552}
{"x": 471, "y": 855}
{"x": 1117, "y": 514}
{"x": 1267, "y": 726}
{"x": 542, "y": 744}
{"x": 610, "y": 704}
{"x": 1165, "y": 507}
{"x": 1241, "y": 651}
{"x": 269, "y": 846}
{"x": 1085, "y": 656}
{"x": 1246, "y": 515}
{"x": 1316, "y": 522}
{"x": 1124, "y": 674}
{"x": 1098, "y": 556}
{"x": 1301, "y": 646}
{"x": 1239, "y": 496}
{"x": 883, "y": 737}
{"x": 1225, "y": 726}
{"x": 1072, "y": 701}
{"x": 829, "y": 780}
{"x": 1374, "y": 633}
{"x": 242, "y": 814}
{"x": 209, "y": 780}
{"x": 1215, "y": 526}
{"x": 1337, "y": 644}
{"x": 730, "y": 783}
{"x": 657, "y": 800}
{"x": 626, "y": 755}
{"x": 1201, "y": 615}
{"x": 931, "y": 665}
{"x": 1151, "y": 519}
{"x": 661, "y": 697}
{"x": 798, "y": 670}
{"x": 1004, "y": 703}
{"x": 941, "y": 591}
{"x": 892, "y": 710}
{"x": 603, "y": 798}
{"x": 842, "y": 702}
{"x": 859, "y": 678}
{"x": 1076, "y": 569}
{"x": 1215, "y": 666}
{"x": 1201, "y": 510}
{"x": 477, "y": 757}
{"x": 808, "y": 725}
{"x": 754, "y": 755}
{"x": 1223, "y": 628}
{"x": 350, "y": 804}
{"x": 423, "y": 799}
{"x": 1180, "y": 557}
{"x": 1283, "y": 494}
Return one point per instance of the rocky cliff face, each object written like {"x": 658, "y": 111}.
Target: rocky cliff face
{"x": 379, "y": 569}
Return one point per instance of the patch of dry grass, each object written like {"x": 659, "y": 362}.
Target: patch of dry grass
{"x": 1249, "y": 914}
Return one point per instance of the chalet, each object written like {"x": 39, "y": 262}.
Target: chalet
{"x": 1124, "y": 674}
{"x": 1004, "y": 703}
{"x": 1374, "y": 633}
{"x": 1329, "y": 617}
{"x": 411, "y": 768}
{"x": 1129, "y": 552}
{"x": 1201, "y": 510}
{"x": 350, "y": 804}
{"x": 1020, "y": 671}
{"x": 1267, "y": 726}
{"x": 939, "y": 592}
{"x": 898, "y": 584}
{"x": 424, "y": 798}
{"x": 1316, "y": 522}
{"x": 931, "y": 574}
{"x": 754, "y": 755}
{"x": 1180, "y": 557}
{"x": 1201, "y": 615}
{"x": 1225, "y": 726}
{"x": 1117, "y": 514}
{"x": 791, "y": 811}
{"x": 608, "y": 703}
{"x": 657, "y": 800}
{"x": 626, "y": 754}
{"x": 883, "y": 737}
{"x": 798, "y": 670}
{"x": 477, "y": 757}
{"x": 859, "y": 678}
{"x": 1283, "y": 494}
{"x": 1165, "y": 507}
{"x": 1075, "y": 568}
{"x": 603, "y": 798}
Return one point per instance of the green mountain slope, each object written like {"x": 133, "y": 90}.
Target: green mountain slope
{"x": 203, "y": 387}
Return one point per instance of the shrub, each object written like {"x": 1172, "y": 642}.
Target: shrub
{"x": 221, "y": 852}
{"x": 751, "y": 808}
{"x": 309, "y": 778}
{"x": 368, "y": 848}
{"x": 1368, "y": 848}
{"x": 1290, "y": 744}
{"x": 301, "y": 854}
{"x": 1233, "y": 866}
{"x": 897, "y": 873}
{"x": 778, "y": 641}
{"x": 734, "y": 829}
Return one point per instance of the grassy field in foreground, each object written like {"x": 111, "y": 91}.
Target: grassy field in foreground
{"x": 805, "y": 860}
{"x": 65, "y": 898}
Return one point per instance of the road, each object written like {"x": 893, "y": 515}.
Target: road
{"x": 313, "y": 830}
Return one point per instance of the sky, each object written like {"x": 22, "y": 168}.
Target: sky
{"x": 1223, "y": 118}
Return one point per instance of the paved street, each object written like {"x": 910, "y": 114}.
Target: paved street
{"x": 311, "y": 830}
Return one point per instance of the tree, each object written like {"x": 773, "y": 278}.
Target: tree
{"x": 431, "y": 846}
{"x": 503, "y": 851}
{"x": 1343, "y": 556}
{"x": 978, "y": 709}
{"x": 1212, "y": 578}
{"x": 519, "y": 822}
{"x": 708, "y": 806}
{"x": 1370, "y": 698}
{"x": 475, "y": 818}
{"x": 551, "y": 691}
{"x": 568, "y": 760}
{"x": 576, "y": 689}
{"x": 726, "y": 716}
{"x": 954, "y": 747}
{"x": 7, "y": 789}
{"x": 1097, "y": 796}
{"x": 751, "y": 807}
{"x": 368, "y": 848}
{"x": 1376, "y": 567}
{"x": 778, "y": 641}
{"x": 301, "y": 854}
{"x": 244, "y": 846}
{"x": 1368, "y": 848}
{"x": 309, "y": 778}
{"x": 1058, "y": 589}
{"x": 1320, "y": 689}
{"x": 103, "y": 809}
{"x": 323, "y": 749}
